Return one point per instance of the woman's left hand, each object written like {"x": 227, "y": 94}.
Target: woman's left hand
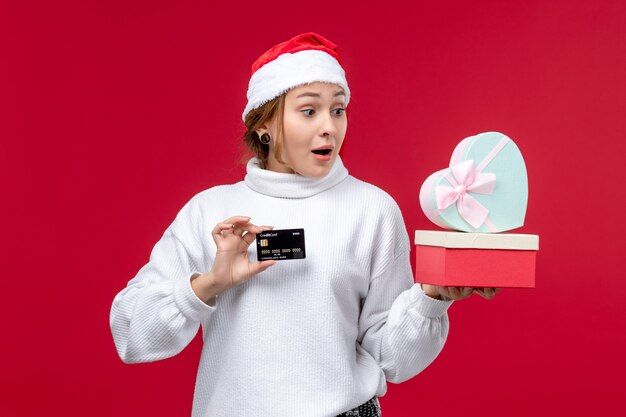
{"x": 458, "y": 293}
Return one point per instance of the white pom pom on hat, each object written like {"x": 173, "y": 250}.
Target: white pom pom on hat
{"x": 303, "y": 59}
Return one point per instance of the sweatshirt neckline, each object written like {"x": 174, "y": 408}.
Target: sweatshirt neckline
{"x": 282, "y": 185}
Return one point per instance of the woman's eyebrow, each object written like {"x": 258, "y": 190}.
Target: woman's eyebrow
{"x": 316, "y": 95}
{"x": 306, "y": 94}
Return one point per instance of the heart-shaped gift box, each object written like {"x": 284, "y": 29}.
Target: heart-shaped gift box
{"x": 485, "y": 188}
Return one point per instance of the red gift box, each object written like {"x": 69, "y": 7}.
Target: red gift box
{"x": 479, "y": 260}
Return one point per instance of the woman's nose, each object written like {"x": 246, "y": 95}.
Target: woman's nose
{"x": 329, "y": 127}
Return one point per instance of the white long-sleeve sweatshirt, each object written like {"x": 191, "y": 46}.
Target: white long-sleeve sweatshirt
{"x": 310, "y": 337}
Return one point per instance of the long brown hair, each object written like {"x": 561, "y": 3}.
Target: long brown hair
{"x": 257, "y": 118}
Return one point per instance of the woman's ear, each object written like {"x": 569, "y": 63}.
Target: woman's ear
{"x": 264, "y": 128}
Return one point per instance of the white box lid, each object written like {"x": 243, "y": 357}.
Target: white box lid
{"x": 463, "y": 240}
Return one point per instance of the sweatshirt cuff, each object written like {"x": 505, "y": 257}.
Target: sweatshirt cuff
{"x": 188, "y": 302}
{"x": 427, "y": 306}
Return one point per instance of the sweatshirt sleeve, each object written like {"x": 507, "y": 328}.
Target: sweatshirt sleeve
{"x": 400, "y": 326}
{"x": 158, "y": 313}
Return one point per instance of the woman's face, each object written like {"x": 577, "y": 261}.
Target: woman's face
{"x": 314, "y": 126}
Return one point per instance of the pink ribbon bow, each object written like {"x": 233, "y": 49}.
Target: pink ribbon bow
{"x": 466, "y": 178}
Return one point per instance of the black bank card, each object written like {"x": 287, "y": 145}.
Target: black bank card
{"x": 280, "y": 245}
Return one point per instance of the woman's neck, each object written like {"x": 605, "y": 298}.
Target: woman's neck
{"x": 291, "y": 185}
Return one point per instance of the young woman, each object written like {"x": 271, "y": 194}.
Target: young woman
{"x": 317, "y": 336}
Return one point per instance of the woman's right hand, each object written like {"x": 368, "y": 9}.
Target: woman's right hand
{"x": 231, "y": 266}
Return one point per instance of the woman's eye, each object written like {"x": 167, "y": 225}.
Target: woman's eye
{"x": 308, "y": 112}
{"x": 339, "y": 112}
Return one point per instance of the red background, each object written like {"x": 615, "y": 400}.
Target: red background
{"x": 114, "y": 113}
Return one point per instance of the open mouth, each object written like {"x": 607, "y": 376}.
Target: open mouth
{"x": 322, "y": 151}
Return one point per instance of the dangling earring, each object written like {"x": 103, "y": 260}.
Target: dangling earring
{"x": 265, "y": 139}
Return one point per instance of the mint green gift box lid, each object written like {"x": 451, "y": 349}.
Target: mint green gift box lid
{"x": 492, "y": 158}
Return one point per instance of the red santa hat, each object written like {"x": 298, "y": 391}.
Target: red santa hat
{"x": 304, "y": 59}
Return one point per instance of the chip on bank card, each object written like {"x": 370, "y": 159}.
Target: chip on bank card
{"x": 280, "y": 244}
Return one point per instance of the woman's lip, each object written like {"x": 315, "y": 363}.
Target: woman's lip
{"x": 320, "y": 157}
